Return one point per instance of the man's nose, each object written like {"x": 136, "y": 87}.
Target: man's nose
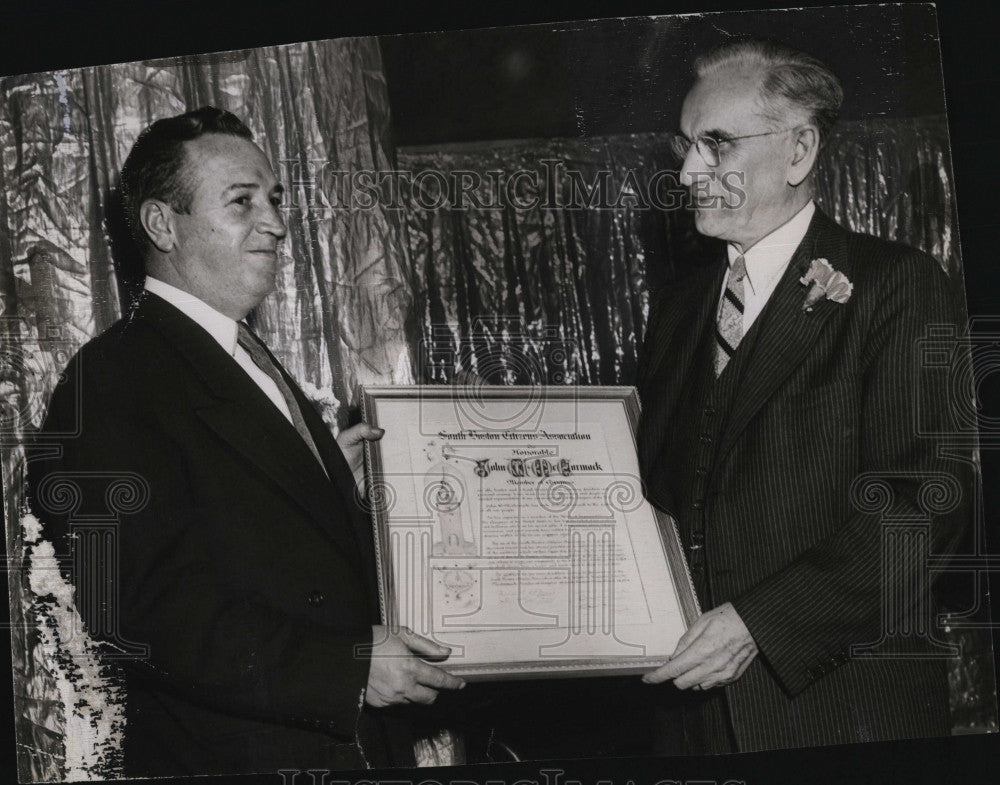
{"x": 692, "y": 162}
{"x": 273, "y": 222}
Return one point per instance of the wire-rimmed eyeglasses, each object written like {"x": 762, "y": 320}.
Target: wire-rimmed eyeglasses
{"x": 708, "y": 146}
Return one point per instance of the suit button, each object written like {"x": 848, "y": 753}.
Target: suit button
{"x": 698, "y": 505}
{"x": 316, "y": 598}
{"x": 700, "y": 472}
{"x": 710, "y": 411}
{"x": 698, "y": 538}
{"x": 705, "y": 439}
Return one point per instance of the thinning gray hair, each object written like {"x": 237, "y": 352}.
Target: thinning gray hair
{"x": 792, "y": 81}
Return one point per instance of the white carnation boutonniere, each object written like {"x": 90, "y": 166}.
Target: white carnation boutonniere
{"x": 824, "y": 281}
{"x": 325, "y": 401}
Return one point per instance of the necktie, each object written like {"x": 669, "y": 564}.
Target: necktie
{"x": 255, "y": 348}
{"x": 729, "y": 328}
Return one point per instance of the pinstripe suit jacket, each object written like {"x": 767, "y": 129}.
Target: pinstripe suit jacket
{"x": 821, "y": 447}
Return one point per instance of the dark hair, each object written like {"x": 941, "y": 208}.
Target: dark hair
{"x": 792, "y": 81}
{"x": 154, "y": 168}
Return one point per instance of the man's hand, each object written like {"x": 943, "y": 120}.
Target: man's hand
{"x": 398, "y": 675}
{"x": 714, "y": 651}
{"x": 351, "y": 441}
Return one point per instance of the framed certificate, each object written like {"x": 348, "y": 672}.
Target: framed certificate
{"x": 510, "y": 525}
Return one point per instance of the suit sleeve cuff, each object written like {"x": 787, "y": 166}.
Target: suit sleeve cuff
{"x": 794, "y": 660}
{"x": 322, "y": 684}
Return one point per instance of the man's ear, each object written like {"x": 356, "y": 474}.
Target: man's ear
{"x": 804, "y": 153}
{"x": 158, "y": 220}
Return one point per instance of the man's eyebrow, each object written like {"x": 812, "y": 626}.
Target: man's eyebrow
{"x": 277, "y": 189}
{"x": 716, "y": 133}
{"x": 242, "y": 186}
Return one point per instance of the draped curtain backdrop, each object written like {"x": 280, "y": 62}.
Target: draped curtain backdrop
{"x": 365, "y": 296}
{"x": 510, "y": 283}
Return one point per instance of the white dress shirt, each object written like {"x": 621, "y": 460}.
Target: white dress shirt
{"x": 766, "y": 261}
{"x": 224, "y": 330}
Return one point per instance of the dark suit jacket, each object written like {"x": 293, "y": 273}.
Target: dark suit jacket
{"x": 821, "y": 450}
{"x": 248, "y": 573}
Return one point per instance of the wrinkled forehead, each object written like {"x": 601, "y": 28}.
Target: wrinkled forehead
{"x": 222, "y": 160}
{"x": 725, "y": 102}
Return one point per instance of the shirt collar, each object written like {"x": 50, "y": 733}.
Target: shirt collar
{"x": 218, "y": 325}
{"x": 769, "y": 256}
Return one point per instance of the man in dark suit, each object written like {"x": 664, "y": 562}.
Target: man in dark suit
{"x": 781, "y": 387}
{"x": 245, "y": 565}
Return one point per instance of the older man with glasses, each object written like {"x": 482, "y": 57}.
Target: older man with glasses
{"x": 775, "y": 380}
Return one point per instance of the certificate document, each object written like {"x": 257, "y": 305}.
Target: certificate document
{"x": 510, "y": 525}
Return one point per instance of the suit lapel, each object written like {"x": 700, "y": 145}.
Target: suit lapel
{"x": 333, "y": 459}
{"x": 787, "y": 333}
{"x": 672, "y": 353}
{"x": 340, "y": 473}
{"x": 243, "y": 416}
{"x": 334, "y": 462}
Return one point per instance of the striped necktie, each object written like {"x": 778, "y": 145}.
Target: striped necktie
{"x": 255, "y": 348}
{"x": 729, "y": 328}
